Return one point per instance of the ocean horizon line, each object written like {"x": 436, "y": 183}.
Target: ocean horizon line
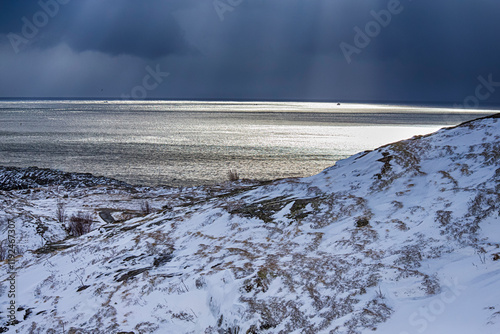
{"x": 250, "y": 100}
{"x": 285, "y": 106}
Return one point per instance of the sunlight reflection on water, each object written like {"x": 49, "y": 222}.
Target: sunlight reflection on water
{"x": 186, "y": 142}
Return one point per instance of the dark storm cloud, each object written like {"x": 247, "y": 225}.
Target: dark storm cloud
{"x": 430, "y": 51}
{"x": 110, "y": 26}
{"x": 127, "y": 27}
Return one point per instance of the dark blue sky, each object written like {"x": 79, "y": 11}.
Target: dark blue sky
{"x": 420, "y": 50}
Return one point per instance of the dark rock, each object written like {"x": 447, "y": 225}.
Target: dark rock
{"x": 362, "y": 222}
{"x": 27, "y": 313}
{"x": 14, "y": 178}
{"x": 263, "y": 209}
{"x": 130, "y": 274}
{"x": 106, "y": 216}
{"x": 52, "y": 247}
{"x": 83, "y": 287}
{"x": 128, "y": 258}
{"x": 159, "y": 261}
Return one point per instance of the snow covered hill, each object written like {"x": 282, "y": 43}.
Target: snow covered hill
{"x": 403, "y": 239}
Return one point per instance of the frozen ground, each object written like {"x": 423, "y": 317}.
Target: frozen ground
{"x": 403, "y": 239}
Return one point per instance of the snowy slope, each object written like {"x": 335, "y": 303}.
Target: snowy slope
{"x": 402, "y": 239}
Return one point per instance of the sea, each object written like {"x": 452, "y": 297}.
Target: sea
{"x": 187, "y": 143}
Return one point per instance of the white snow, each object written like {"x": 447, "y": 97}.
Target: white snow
{"x": 403, "y": 239}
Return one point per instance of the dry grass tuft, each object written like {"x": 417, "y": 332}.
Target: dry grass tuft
{"x": 233, "y": 175}
{"x": 80, "y": 224}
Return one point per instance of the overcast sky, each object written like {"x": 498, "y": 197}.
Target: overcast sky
{"x": 420, "y": 50}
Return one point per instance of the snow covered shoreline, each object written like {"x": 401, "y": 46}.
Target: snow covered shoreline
{"x": 402, "y": 239}
{"x": 16, "y": 178}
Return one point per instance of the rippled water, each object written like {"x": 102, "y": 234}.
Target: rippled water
{"x": 186, "y": 143}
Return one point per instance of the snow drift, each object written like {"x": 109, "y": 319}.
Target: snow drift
{"x": 402, "y": 239}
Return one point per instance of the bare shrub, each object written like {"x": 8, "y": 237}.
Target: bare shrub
{"x": 60, "y": 212}
{"x": 183, "y": 316}
{"x": 145, "y": 208}
{"x": 233, "y": 175}
{"x": 80, "y": 224}
{"x": 3, "y": 251}
{"x": 379, "y": 294}
{"x": 431, "y": 284}
{"x": 409, "y": 259}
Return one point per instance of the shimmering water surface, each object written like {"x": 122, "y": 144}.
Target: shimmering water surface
{"x": 189, "y": 143}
